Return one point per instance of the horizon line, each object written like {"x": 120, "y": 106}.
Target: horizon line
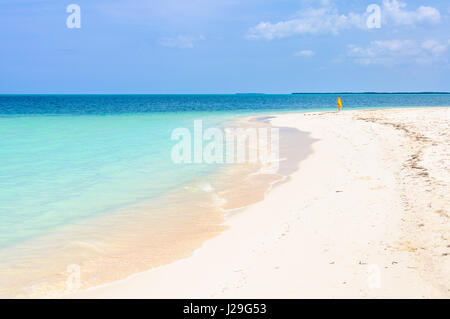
{"x": 237, "y": 93}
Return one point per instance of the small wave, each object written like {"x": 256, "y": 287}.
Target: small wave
{"x": 219, "y": 201}
{"x": 207, "y": 187}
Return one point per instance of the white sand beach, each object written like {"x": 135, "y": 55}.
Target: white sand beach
{"x": 366, "y": 215}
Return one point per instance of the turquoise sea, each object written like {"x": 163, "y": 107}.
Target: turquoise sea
{"x": 67, "y": 158}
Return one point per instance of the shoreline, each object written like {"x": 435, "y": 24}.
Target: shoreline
{"x": 352, "y": 232}
{"x": 99, "y": 247}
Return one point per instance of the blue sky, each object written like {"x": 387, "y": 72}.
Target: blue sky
{"x": 223, "y": 46}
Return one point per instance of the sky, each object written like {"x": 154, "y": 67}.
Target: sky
{"x": 224, "y": 46}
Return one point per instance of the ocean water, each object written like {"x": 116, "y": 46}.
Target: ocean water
{"x": 57, "y": 169}
{"x": 71, "y": 159}
{"x": 133, "y": 104}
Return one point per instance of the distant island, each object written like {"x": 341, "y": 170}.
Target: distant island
{"x": 376, "y": 93}
{"x": 250, "y": 93}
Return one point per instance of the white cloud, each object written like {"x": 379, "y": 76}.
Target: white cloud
{"x": 399, "y": 52}
{"x": 305, "y": 53}
{"x": 327, "y": 20}
{"x": 181, "y": 41}
{"x": 393, "y": 12}
{"x": 311, "y": 21}
{"x": 434, "y": 47}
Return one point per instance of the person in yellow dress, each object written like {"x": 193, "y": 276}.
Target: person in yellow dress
{"x": 339, "y": 103}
